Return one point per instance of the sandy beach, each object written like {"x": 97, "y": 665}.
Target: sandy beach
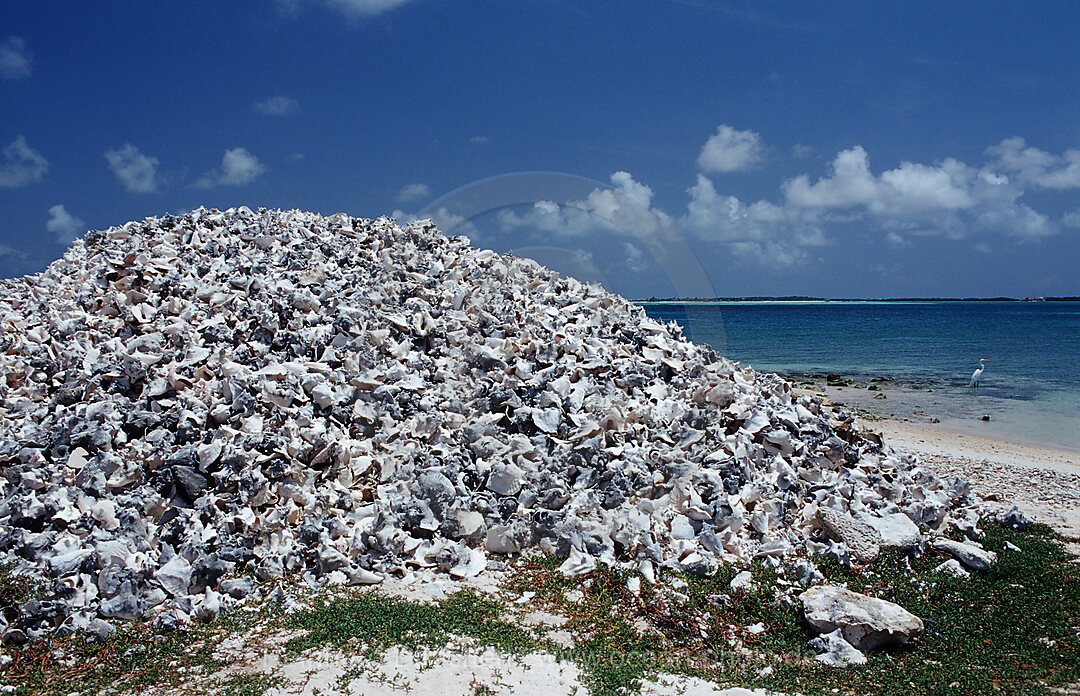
{"x": 1043, "y": 482}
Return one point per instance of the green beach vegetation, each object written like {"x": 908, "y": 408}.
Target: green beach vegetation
{"x": 1012, "y": 630}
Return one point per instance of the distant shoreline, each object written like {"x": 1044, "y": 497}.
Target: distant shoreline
{"x": 807, "y": 299}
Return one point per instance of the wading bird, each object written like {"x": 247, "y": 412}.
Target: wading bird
{"x": 976, "y": 376}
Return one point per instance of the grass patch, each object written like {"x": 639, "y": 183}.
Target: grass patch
{"x": 686, "y": 626}
{"x": 375, "y": 622}
{"x": 248, "y": 685}
{"x": 131, "y": 658}
{"x": 1012, "y": 630}
{"x": 17, "y": 588}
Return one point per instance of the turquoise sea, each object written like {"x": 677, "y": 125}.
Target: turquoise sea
{"x": 1030, "y": 388}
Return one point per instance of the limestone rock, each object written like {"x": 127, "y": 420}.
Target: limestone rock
{"x": 952, "y": 567}
{"x": 741, "y": 581}
{"x": 835, "y": 651}
{"x": 895, "y": 530}
{"x": 863, "y": 540}
{"x": 971, "y": 556}
{"x": 867, "y": 623}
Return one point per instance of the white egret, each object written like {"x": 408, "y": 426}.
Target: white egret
{"x": 976, "y": 376}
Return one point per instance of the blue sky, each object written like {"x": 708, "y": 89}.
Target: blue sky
{"x": 693, "y": 147}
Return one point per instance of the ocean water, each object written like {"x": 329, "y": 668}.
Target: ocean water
{"x": 1031, "y": 387}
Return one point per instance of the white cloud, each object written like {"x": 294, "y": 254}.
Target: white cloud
{"x": 411, "y": 192}
{"x": 730, "y": 150}
{"x": 15, "y": 60}
{"x": 761, "y": 230}
{"x": 553, "y": 219}
{"x": 22, "y": 165}
{"x": 238, "y": 167}
{"x": 136, "y": 171}
{"x": 635, "y": 257}
{"x": 1035, "y": 167}
{"x": 8, "y": 252}
{"x": 917, "y": 187}
{"x": 951, "y": 197}
{"x": 851, "y": 183}
{"x": 897, "y": 239}
{"x": 276, "y": 106}
{"x": 947, "y": 198}
{"x": 64, "y": 225}
{"x": 365, "y": 8}
{"x": 1014, "y": 220}
{"x": 800, "y": 151}
{"x": 479, "y": 140}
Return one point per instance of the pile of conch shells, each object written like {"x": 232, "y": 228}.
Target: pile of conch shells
{"x": 190, "y": 397}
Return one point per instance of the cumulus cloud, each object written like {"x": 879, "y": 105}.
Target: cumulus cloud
{"x": 950, "y": 197}
{"x": 851, "y": 183}
{"x": 625, "y": 206}
{"x": 276, "y": 106}
{"x": 553, "y": 220}
{"x": 15, "y": 60}
{"x": 1034, "y": 167}
{"x": 238, "y": 167}
{"x": 136, "y": 171}
{"x": 945, "y": 198}
{"x": 761, "y": 230}
{"x": 22, "y": 165}
{"x": 603, "y": 217}
{"x": 412, "y": 192}
{"x": 1013, "y": 219}
{"x": 64, "y": 225}
{"x": 730, "y": 150}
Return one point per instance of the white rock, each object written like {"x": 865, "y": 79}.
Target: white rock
{"x": 896, "y": 529}
{"x": 500, "y": 539}
{"x": 279, "y": 380}
{"x": 577, "y": 563}
{"x": 506, "y": 479}
{"x": 837, "y": 652}
{"x": 971, "y": 556}
{"x": 863, "y": 540}
{"x": 470, "y": 521}
{"x": 952, "y": 567}
{"x": 547, "y": 419}
{"x": 742, "y": 581}
{"x": 866, "y": 622}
